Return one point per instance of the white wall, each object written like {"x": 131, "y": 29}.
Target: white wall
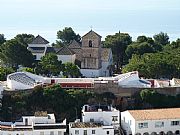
{"x": 132, "y": 80}
{"x": 98, "y": 130}
{"x": 1, "y": 90}
{"x": 105, "y": 64}
{"x": 26, "y": 132}
{"x": 13, "y": 85}
{"x": 105, "y": 71}
{"x": 128, "y": 122}
{"x": 34, "y": 132}
{"x": 39, "y": 45}
{"x": 38, "y": 55}
{"x": 91, "y": 72}
{"x": 67, "y": 58}
{"x": 104, "y": 116}
{"x": 151, "y": 126}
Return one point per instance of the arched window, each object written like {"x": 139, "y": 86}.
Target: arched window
{"x": 177, "y": 132}
{"x": 153, "y": 133}
{"x": 161, "y": 133}
{"x": 146, "y": 133}
{"x": 169, "y": 133}
{"x": 90, "y": 43}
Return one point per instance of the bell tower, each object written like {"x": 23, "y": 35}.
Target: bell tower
{"x": 91, "y": 51}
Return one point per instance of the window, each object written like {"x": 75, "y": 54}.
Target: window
{"x": 93, "y": 132}
{"x": 177, "y": 132}
{"x": 59, "y": 132}
{"x": 35, "y": 57}
{"x": 85, "y": 132}
{"x": 174, "y": 123}
{"x": 130, "y": 122}
{"x": 107, "y": 132}
{"x": 76, "y": 132}
{"x": 26, "y": 121}
{"x": 114, "y": 118}
{"x": 143, "y": 125}
{"x": 41, "y": 133}
{"x": 51, "y": 133}
{"x": 90, "y": 43}
{"x": 91, "y": 120}
{"x": 159, "y": 124}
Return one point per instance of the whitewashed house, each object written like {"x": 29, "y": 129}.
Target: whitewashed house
{"x": 107, "y": 115}
{"x": 40, "y": 124}
{"x": 89, "y": 128}
{"x": 96, "y": 119}
{"x": 38, "y": 47}
{"x": 151, "y": 122}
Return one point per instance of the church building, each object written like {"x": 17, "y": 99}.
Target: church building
{"x": 92, "y": 59}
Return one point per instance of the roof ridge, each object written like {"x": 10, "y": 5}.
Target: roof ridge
{"x": 93, "y": 32}
{"x": 39, "y": 40}
{"x": 65, "y": 47}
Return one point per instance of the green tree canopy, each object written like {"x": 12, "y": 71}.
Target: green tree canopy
{"x": 49, "y": 64}
{"x": 4, "y": 71}
{"x": 2, "y": 39}
{"x": 156, "y": 65}
{"x": 71, "y": 70}
{"x": 157, "y": 100}
{"x": 161, "y": 38}
{"x": 139, "y": 48}
{"x": 24, "y": 39}
{"x": 66, "y": 36}
{"x": 142, "y": 39}
{"x": 13, "y": 53}
{"x": 118, "y": 43}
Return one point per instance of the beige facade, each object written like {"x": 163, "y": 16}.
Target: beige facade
{"x": 91, "y": 51}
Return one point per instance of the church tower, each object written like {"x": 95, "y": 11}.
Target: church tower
{"x": 91, "y": 51}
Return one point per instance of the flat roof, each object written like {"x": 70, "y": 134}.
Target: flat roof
{"x": 156, "y": 114}
{"x": 85, "y": 125}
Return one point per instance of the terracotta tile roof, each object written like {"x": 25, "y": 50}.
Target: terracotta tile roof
{"x": 39, "y": 40}
{"x": 156, "y": 114}
{"x": 105, "y": 54}
{"x": 74, "y": 44}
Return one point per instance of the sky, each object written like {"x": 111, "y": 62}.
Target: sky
{"x": 106, "y": 17}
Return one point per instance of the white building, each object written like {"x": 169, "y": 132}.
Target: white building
{"x": 40, "y": 124}
{"x": 151, "y": 122}
{"x": 81, "y": 128}
{"x": 26, "y": 80}
{"x": 40, "y": 46}
{"x": 106, "y": 115}
{"x": 96, "y": 119}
